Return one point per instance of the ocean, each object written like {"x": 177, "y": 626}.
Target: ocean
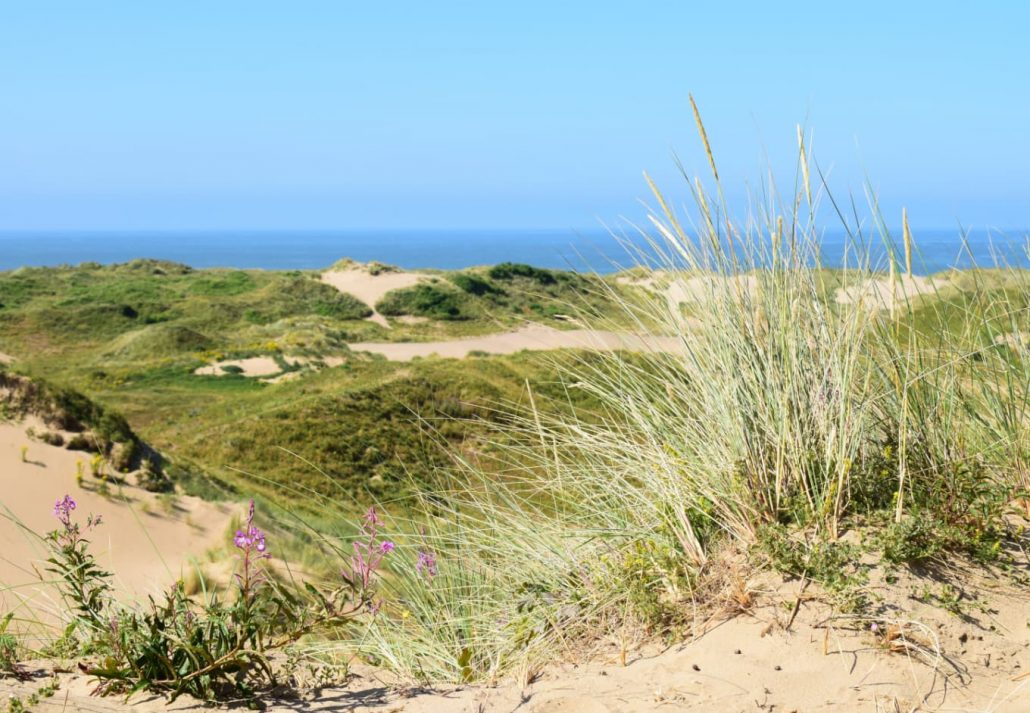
{"x": 594, "y": 250}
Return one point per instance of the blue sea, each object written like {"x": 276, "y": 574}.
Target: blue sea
{"x": 443, "y": 249}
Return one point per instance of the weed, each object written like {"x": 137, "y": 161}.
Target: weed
{"x": 9, "y": 649}
{"x": 16, "y": 704}
{"x": 217, "y": 648}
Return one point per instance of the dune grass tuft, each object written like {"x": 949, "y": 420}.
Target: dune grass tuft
{"x": 786, "y": 411}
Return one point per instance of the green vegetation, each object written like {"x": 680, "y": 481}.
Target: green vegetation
{"x": 422, "y": 300}
{"x": 213, "y": 649}
{"x": 130, "y": 337}
{"x": 508, "y": 291}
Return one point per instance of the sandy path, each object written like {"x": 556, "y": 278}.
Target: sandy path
{"x": 6, "y": 358}
{"x": 533, "y": 337}
{"x": 144, "y": 544}
{"x": 368, "y": 288}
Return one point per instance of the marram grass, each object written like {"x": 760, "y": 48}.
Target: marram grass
{"x": 784, "y": 407}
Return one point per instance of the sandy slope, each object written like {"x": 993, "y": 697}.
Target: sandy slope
{"x": 368, "y": 288}
{"x": 146, "y": 544}
{"x": 531, "y": 337}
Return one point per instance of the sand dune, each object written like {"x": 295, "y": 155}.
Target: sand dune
{"x": 144, "y": 542}
{"x": 359, "y": 282}
{"x": 531, "y": 337}
{"x": 679, "y": 291}
{"x": 881, "y": 293}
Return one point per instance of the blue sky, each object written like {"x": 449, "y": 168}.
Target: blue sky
{"x": 171, "y": 115}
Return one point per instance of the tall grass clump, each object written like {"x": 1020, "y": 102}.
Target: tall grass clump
{"x": 785, "y": 406}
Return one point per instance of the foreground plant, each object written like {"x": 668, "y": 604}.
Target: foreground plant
{"x": 213, "y": 649}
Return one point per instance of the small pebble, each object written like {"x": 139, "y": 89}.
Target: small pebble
{"x": 737, "y": 651}
{"x": 777, "y": 667}
{"x": 696, "y": 667}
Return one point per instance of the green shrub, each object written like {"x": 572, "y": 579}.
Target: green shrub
{"x": 922, "y": 537}
{"x": 425, "y": 300}
{"x": 474, "y": 285}
{"x": 833, "y": 564}
{"x": 511, "y": 270}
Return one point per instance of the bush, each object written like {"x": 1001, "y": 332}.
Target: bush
{"x": 474, "y": 285}
{"x": 511, "y": 270}
{"x": 425, "y": 300}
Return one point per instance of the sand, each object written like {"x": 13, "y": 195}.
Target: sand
{"x": 874, "y": 293}
{"x": 529, "y": 337}
{"x": 880, "y": 293}
{"x": 6, "y": 358}
{"x": 252, "y": 366}
{"x": 680, "y": 291}
{"x": 369, "y": 288}
{"x": 765, "y": 659}
{"x": 146, "y": 544}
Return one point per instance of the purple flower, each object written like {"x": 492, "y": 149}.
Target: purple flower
{"x": 426, "y": 564}
{"x": 250, "y": 538}
{"x": 369, "y": 551}
{"x": 372, "y": 518}
{"x": 63, "y": 510}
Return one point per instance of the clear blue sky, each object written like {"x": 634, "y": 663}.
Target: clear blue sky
{"x": 147, "y": 114}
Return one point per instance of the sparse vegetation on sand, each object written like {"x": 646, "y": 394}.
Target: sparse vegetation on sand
{"x": 591, "y": 501}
